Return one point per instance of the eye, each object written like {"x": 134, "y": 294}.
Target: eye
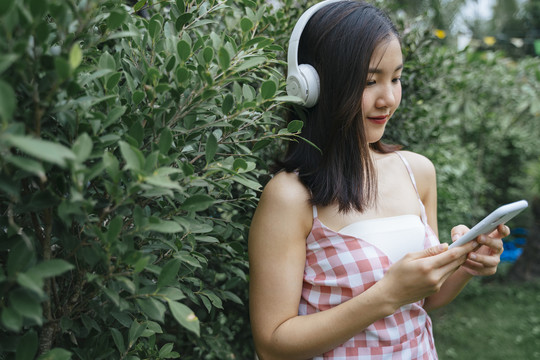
{"x": 396, "y": 80}
{"x": 370, "y": 82}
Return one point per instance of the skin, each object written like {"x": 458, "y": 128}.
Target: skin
{"x": 283, "y": 220}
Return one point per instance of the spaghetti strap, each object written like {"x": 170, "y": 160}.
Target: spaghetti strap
{"x": 315, "y": 214}
{"x": 411, "y": 175}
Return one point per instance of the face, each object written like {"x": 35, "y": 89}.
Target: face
{"x": 382, "y": 94}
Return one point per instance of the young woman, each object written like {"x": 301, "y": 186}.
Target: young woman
{"x": 345, "y": 261}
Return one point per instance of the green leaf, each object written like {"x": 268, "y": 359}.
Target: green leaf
{"x": 165, "y": 350}
{"x": 260, "y": 144}
{"x": 211, "y": 148}
{"x": 165, "y": 227}
{"x": 295, "y": 126}
{"x": 26, "y": 305}
{"x": 172, "y": 293}
{"x": 37, "y": 7}
{"x": 6, "y": 61}
{"x": 75, "y": 56}
{"x": 52, "y": 268}
{"x": 152, "y": 308}
{"x": 168, "y": 273}
{"x": 8, "y": 102}
{"x": 185, "y": 316}
{"x": 29, "y": 165}
{"x": 251, "y": 62}
{"x": 5, "y": 6}
{"x": 268, "y": 89}
{"x": 246, "y": 24}
{"x": 239, "y": 163}
{"x": 198, "y": 202}
{"x": 113, "y": 80}
{"x": 208, "y": 54}
{"x": 56, "y": 354}
{"x": 138, "y": 96}
{"x": 135, "y": 331}
{"x": 82, "y": 147}
{"x": 228, "y": 103}
{"x": 42, "y": 149}
{"x": 183, "y": 49}
{"x": 115, "y": 228}
{"x": 181, "y": 6}
{"x": 224, "y": 59}
{"x": 118, "y": 340}
{"x": 11, "y": 319}
{"x": 27, "y": 346}
{"x": 182, "y": 20}
{"x": 62, "y": 67}
{"x": 133, "y": 157}
{"x": 165, "y": 141}
{"x": 33, "y": 283}
{"x": 106, "y": 61}
{"x": 19, "y": 258}
{"x": 138, "y": 6}
{"x": 182, "y": 74}
{"x": 116, "y": 18}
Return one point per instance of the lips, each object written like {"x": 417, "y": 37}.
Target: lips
{"x": 380, "y": 120}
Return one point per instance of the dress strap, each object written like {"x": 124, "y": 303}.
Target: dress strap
{"x": 411, "y": 175}
{"x": 315, "y": 214}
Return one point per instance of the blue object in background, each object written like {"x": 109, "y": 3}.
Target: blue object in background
{"x": 514, "y": 244}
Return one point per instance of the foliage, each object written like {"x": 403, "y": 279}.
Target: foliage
{"x": 131, "y": 157}
{"x": 475, "y": 115}
{"x": 508, "y": 328}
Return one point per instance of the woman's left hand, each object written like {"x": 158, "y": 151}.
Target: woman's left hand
{"x": 487, "y": 256}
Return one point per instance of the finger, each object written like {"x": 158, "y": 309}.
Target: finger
{"x": 494, "y": 243}
{"x": 485, "y": 260}
{"x": 452, "y": 258}
{"x": 501, "y": 231}
{"x": 431, "y": 251}
{"x": 458, "y": 231}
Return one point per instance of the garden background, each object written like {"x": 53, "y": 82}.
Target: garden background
{"x": 135, "y": 139}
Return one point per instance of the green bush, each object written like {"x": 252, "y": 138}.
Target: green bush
{"x": 132, "y": 150}
{"x": 475, "y": 114}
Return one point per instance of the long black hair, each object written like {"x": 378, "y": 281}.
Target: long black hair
{"x": 338, "y": 41}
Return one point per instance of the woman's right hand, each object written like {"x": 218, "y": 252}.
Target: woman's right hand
{"x": 421, "y": 274}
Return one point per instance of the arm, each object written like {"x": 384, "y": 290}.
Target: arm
{"x": 277, "y": 257}
{"x": 484, "y": 261}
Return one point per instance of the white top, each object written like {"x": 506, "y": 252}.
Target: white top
{"x": 395, "y": 236}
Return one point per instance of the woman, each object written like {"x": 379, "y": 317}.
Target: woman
{"x": 345, "y": 261}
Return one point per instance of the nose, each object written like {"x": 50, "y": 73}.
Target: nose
{"x": 386, "y": 98}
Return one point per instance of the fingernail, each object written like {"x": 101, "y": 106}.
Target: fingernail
{"x": 472, "y": 256}
{"x": 455, "y": 237}
{"x": 482, "y": 239}
{"x": 443, "y": 246}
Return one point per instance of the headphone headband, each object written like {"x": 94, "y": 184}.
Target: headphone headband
{"x": 303, "y": 80}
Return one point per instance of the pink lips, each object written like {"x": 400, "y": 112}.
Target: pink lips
{"x": 381, "y": 120}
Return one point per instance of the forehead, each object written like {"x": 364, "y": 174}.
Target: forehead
{"x": 387, "y": 55}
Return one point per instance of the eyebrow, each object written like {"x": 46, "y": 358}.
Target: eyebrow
{"x": 379, "y": 71}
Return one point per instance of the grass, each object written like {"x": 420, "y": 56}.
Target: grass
{"x": 495, "y": 320}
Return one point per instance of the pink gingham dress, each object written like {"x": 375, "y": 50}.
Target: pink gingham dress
{"x": 339, "y": 267}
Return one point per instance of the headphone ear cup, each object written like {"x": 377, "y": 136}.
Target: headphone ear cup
{"x": 313, "y": 84}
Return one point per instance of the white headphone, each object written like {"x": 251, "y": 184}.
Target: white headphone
{"x": 303, "y": 80}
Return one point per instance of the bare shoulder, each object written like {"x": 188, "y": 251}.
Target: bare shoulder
{"x": 424, "y": 172}
{"x": 420, "y": 165}
{"x": 285, "y": 199}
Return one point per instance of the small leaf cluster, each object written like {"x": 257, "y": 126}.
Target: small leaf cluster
{"x": 134, "y": 142}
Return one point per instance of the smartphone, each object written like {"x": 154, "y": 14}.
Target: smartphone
{"x": 500, "y": 216}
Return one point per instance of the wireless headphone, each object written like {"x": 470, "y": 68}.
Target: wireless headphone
{"x": 303, "y": 80}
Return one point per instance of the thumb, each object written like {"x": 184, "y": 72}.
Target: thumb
{"x": 430, "y": 251}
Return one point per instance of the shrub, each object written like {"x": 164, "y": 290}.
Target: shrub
{"x": 132, "y": 150}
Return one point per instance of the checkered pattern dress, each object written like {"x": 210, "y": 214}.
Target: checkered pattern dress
{"x": 339, "y": 267}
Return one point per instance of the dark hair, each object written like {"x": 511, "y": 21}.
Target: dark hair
{"x": 338, "y": 42}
